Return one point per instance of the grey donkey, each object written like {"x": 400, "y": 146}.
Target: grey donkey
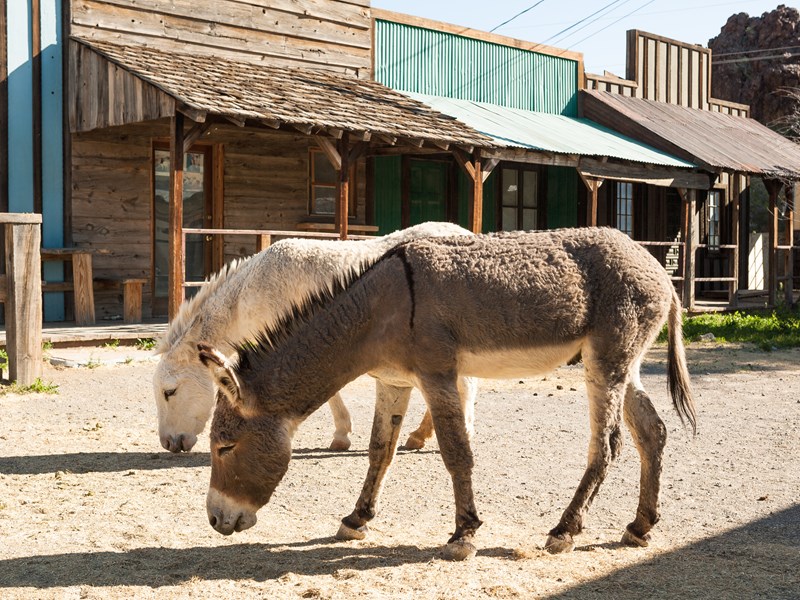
{"x": 430, "y": 311}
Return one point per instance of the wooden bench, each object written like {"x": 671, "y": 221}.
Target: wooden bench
{"x": 131, "y": 295}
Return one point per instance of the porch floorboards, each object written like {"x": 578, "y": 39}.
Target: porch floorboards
{"x": 69, "y": 334}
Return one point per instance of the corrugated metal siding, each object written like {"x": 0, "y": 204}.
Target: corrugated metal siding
{"x": 421, "y": 60}
{"x": 387, "y": 193}
{"x": 562, "y": 197}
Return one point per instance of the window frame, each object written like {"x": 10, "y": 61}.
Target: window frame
{"x": 313, "y": 184}
{"x": 628, "y": 215}
{"x": 713, "y": 239}
{"x": 519, "y": 205}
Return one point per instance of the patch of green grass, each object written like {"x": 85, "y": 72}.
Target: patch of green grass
{"x": 3, "y": 360}
{"x": 146, "y": 344}
{"x": 92, "y": 363}
{"x": 37, "y": 387}
{"x": 111, "y": 344}
{"x": 768, "y": 330}
{"x": 47, "y": 346}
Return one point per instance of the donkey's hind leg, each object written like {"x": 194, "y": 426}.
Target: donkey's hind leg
{"x": 650, "y": 436}
{"x": 467, "y": 391}
{"x": 391, "y": 404}
{"x": 441, "y": 393}
{"x": 605, "y": 385}
{"x": 342, "y": 423}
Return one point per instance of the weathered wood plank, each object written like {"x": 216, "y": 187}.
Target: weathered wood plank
{"x": 23, "y": 302}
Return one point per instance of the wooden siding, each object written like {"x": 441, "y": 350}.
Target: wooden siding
{"x": 105, "y": 95}
{"x": 266, "y": 179}
{"x": 666, "y": 70}
{"x": 325, "y": 34}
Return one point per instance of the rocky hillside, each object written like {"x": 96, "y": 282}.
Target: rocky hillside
{"x": 738, "y": 76}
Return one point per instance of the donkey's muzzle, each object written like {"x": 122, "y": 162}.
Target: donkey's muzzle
{"x": 179, "y": 443}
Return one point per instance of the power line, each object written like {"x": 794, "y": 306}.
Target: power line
{"x": 555, "y": 35}
{"x": 785, "y": 55}
{"x": 755, "y": 51}
{"x": 614, "y": 23}
{"x": 515, "y": 16}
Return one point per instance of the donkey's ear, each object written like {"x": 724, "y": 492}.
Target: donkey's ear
{"x": 221, "y": 371}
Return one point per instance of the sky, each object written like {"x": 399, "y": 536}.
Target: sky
{"x": 601, "y": 38}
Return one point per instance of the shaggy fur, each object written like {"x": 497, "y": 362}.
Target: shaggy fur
{"x": 241, "y": 300}
{"x": 434, "y": 310}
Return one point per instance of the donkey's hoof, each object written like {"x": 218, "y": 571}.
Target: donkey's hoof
{"x": 459, "y": 550}
{"x": 346, "y": 533}
{"x": 559, "y": 544}
{"x": 631, "y": 539}
{"x": 414, "y": 443}
{"x": 339, "y": 445}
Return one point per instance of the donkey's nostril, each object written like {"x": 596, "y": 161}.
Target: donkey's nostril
{"x": 212, "y": 520}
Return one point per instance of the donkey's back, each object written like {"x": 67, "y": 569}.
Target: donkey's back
{"x": 536, "y": 298}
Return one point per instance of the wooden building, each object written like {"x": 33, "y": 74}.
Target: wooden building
{"x": 666, "y": 102}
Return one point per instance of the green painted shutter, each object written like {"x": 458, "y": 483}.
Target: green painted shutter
{"x": 562, "y": 197}
{"x": 387, "y": 193}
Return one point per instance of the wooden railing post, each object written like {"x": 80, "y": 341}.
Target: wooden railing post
{"x": 23, "y": 235}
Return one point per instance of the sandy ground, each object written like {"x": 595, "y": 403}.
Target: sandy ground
{"x": 92, "y": 507}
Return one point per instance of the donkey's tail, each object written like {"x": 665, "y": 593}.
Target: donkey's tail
{"x": 677, "y": 372}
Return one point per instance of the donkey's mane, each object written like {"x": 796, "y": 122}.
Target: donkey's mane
{"x": 251, "y": 353}
{"x": 190, "y": 309}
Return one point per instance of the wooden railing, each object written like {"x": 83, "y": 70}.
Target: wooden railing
{"x": 263, "y": 239}
{"x": 21, "y": 292}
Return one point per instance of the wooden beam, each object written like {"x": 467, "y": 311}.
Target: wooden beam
{"x": 335, "y": 133}
{"x": 271, "y": 123}
{"x": 532, "y": 157}
{"x": 385, "y": 138}
{"x": 197, "y": 131}
{"x": 218, "y": 206}
{"x": 463, "y": 160}
{"x": 331, "y": 151}
{"x": 488, "y": 167}
{"x": 343, "y": 196}
{"x": 649, "y": 174}
{"x": 23, "y": 305}
{"x": 196, "y": 115}
{"x": 789, "y": 270}
{"x": 357, "y": 151}
{"x": 439, "y": 144}
{"x": 773, "y": 188}
{"x": 239, "y": 122}
{"x": 477, "y": 193}
{"x": 176, "y": 251}
{"x": 593, "y": 185}
{"x": 736, "y": 185}
{"x": 304, "y": 129}
{"x": 688, "y": 231}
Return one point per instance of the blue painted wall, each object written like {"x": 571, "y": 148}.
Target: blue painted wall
{"x": 20, "y": 130}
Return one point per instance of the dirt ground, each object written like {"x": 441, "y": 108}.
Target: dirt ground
{"x": 92, "y": 507}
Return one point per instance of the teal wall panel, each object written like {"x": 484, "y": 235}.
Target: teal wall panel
{"x": 416, "y": 59}
{"x": 562, "y": 197}
{"x": 387, "y": 170}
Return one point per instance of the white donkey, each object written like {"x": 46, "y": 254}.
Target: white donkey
{"x": 260, "y": 291}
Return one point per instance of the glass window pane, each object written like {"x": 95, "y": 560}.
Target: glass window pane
{"x": 529, "y": 219}
{"x": 509, "y": 219}
{"x": 530, "y": 189}
{"x": 323, "y": 169}
{"x": 510, "y": 188}
{"x": 324, "y": 200}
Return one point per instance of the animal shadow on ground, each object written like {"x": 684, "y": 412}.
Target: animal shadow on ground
{"x": 164, "y": 566}
{"x": 758, "y": 560}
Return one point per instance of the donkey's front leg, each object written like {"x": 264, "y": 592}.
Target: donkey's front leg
{"x": 390, "y": 407}
{"x": 442, "y": 395}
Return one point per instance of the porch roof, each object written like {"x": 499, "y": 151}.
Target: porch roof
{"x": 203, "y": 85}
{"x": 712, "y": 140}
{"x": 518, "y": 128}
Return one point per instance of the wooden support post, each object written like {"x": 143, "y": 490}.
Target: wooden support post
{"x": 733, "y": 294}
{"x": 263, "y": 241}
{"x": 176, "y": 250}
{"x": 83, "y": 280}
{"x": 688, "y": 232}
{"x": 773, "y": 187}
{"x": 789, "y": 270}
{"x": 132, "y": 300}
{"x": 477, "y": 194}
{"x": 218, "y": 207}
{"x": 343, "y": 187}
{"x": 23, "y": 305}
{"x": 593, "y": 185}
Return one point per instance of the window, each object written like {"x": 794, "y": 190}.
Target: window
{"x": 322, "y": 192}
{"x": 624, "y": 207}
{"x": 712, "y": 219}
{"x": 519, "y": 199}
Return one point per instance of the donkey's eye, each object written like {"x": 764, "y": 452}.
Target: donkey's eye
{"x": 169, "y": 393}
{"x": 223, "y": 450}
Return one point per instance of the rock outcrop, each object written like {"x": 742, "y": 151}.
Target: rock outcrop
{"x": 755, "y": 59}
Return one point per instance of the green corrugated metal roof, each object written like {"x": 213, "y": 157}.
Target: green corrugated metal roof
{"x": 516, "y": 128}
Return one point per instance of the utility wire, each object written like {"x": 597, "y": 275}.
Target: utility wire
{"x": 515, "y": 16}
{"x": 566, "y": 29}
{"x": 755, "y": 51}
{"x": 785, "y": 55}
{"x": 614, "y": 23}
